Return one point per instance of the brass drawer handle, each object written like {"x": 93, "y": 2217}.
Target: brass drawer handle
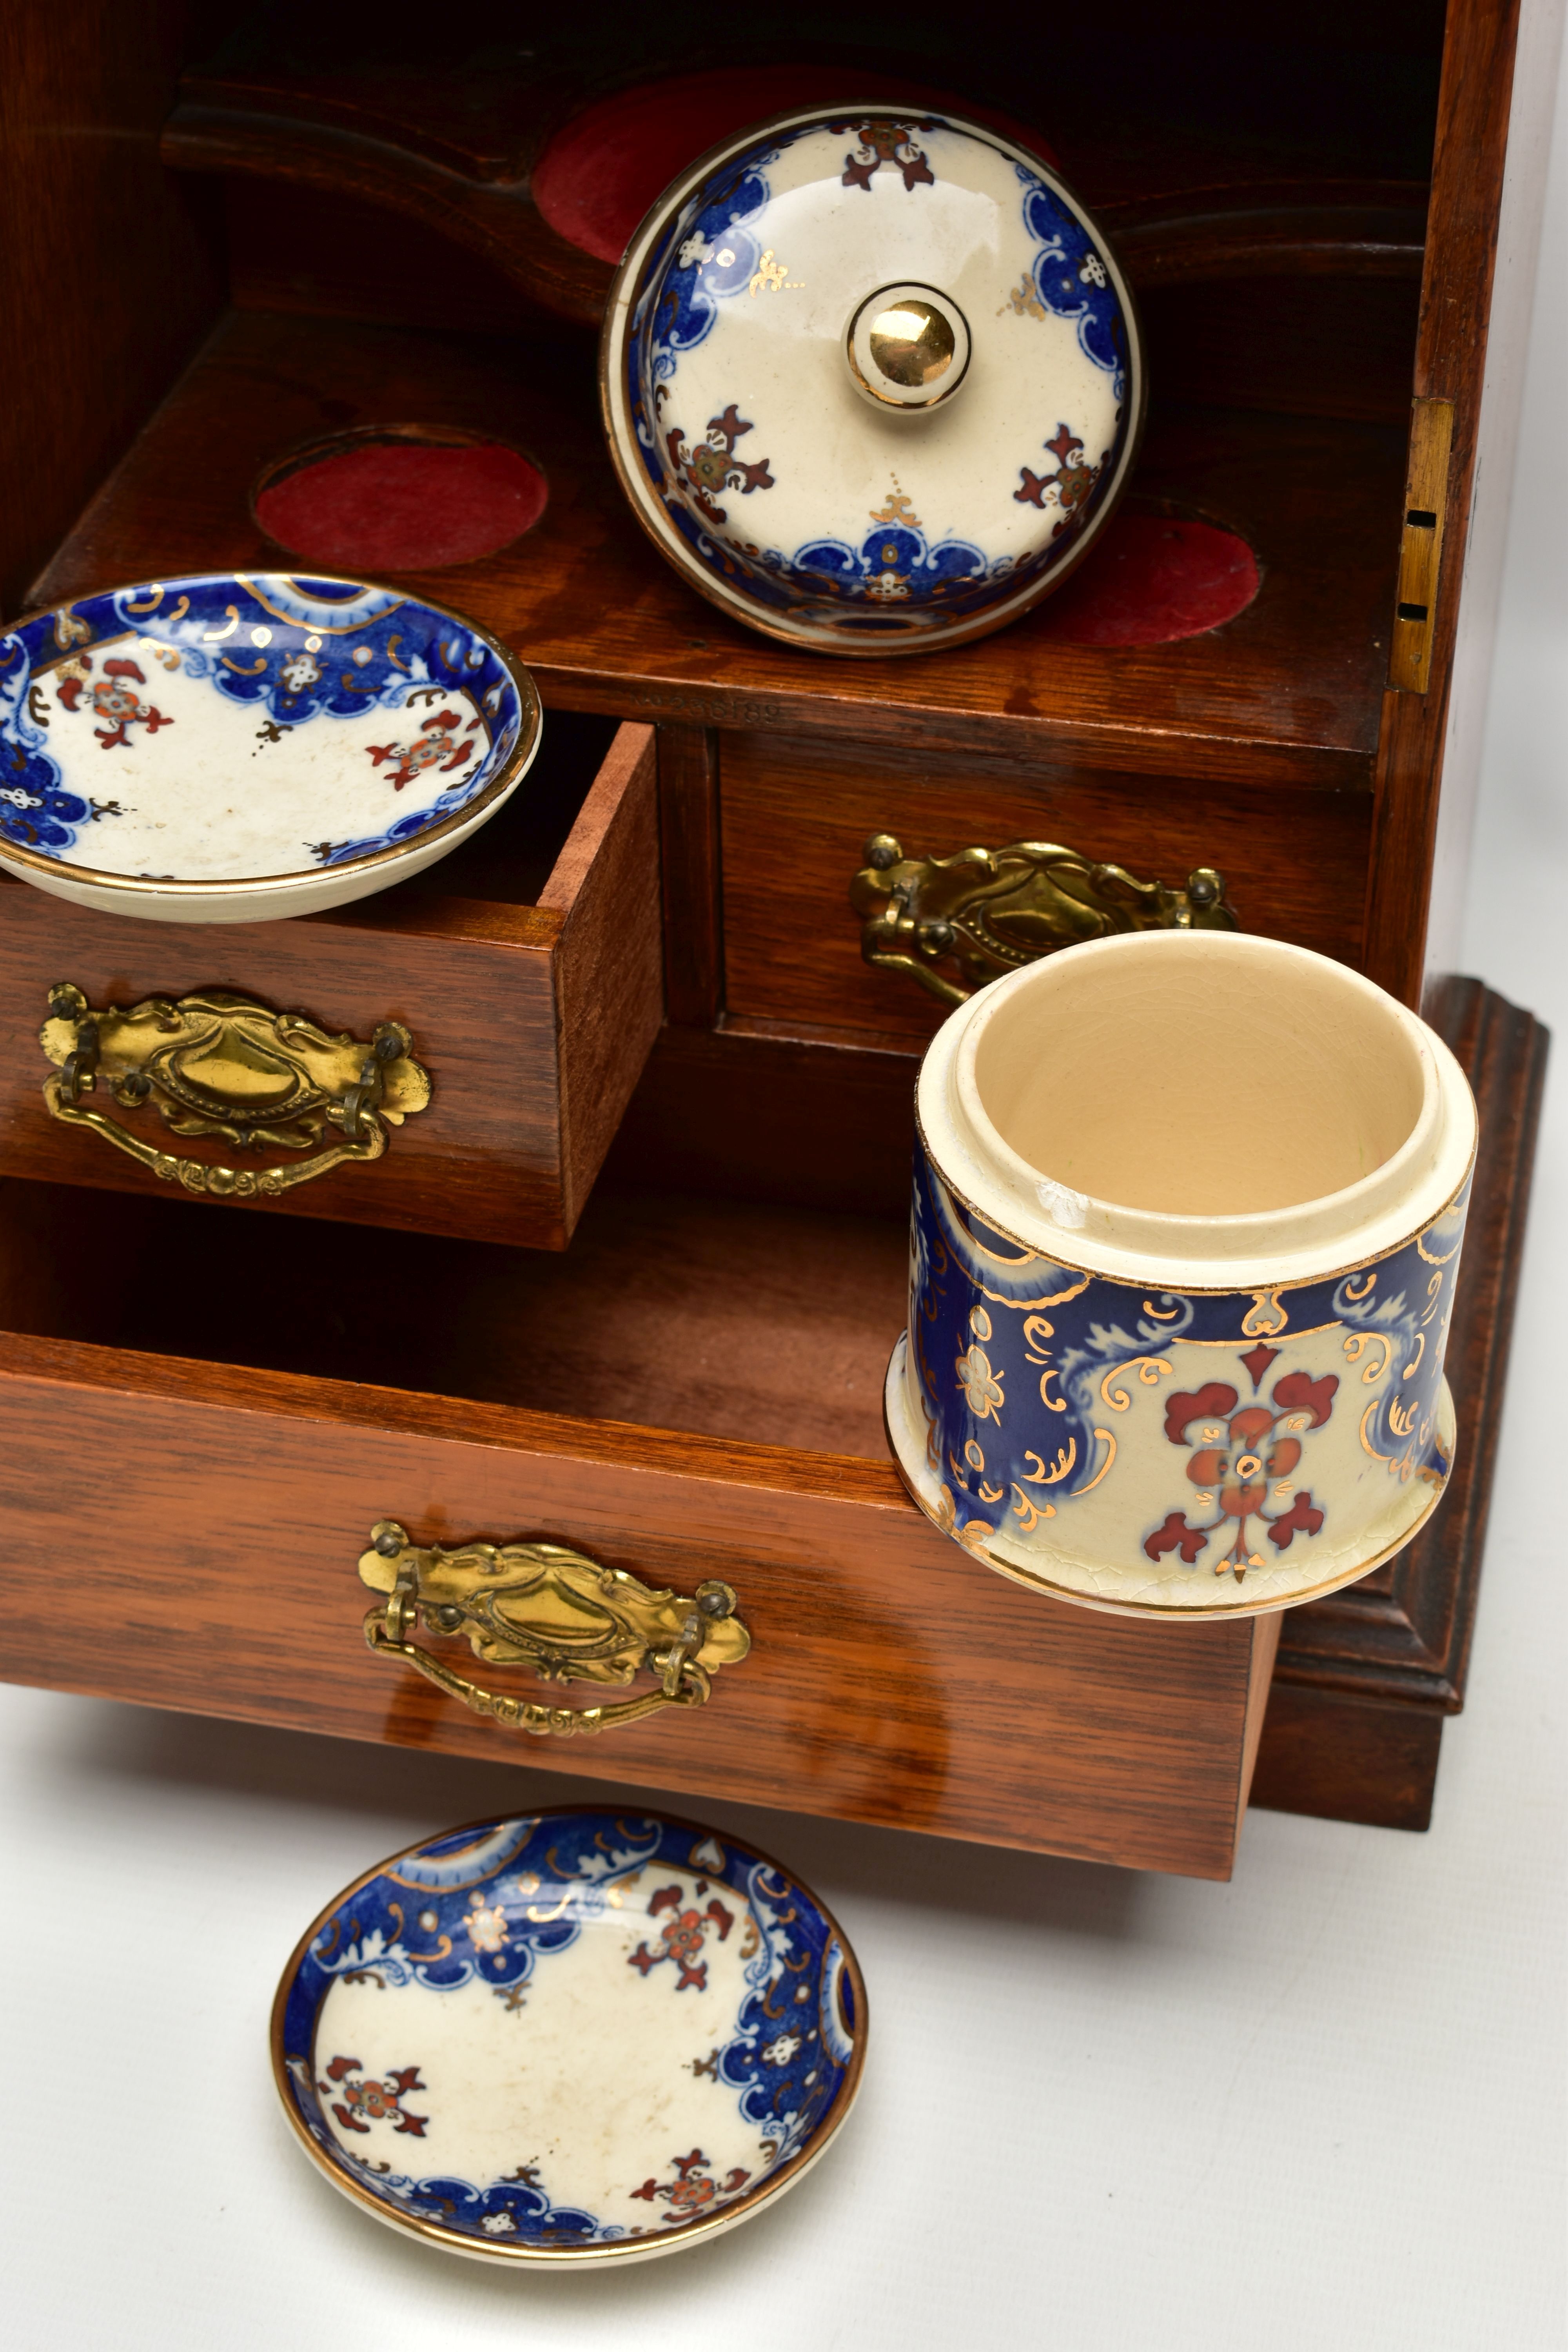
{"x": 217, "y": 1064}
{"x": 993, "y": 909}
{"x": 568, "y": 1617}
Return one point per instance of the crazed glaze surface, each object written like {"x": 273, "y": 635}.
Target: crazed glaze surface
{"x": 770, "y": 480}
{"x": 314, "y": 736}
{"x": 570, "y": 2037}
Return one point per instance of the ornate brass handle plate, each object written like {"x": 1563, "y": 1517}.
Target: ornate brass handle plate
{"x": 217, "y": 1064}
{"x": 541, "y": 1606}
{"x": 991, "y": 911}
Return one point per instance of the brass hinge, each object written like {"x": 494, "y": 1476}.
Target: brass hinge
{"x": 1421, "y": 548}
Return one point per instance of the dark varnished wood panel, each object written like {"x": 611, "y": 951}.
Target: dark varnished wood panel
{"x": 797, "y": 820}
{"x": 891, "y": 1680}
{"x": 1192, "y": 190}
{"x": 534, "y": 1020}
{"x": 1348, "y": 1758}
{"x": 1309, "y": 345}
{"x": 1450, "y": 365}
{"x": 1366, "y": 1677}
{"x": 112, "y": 266}
{"x": 824, "y": 1122}
{"x": 1285, "y": 695}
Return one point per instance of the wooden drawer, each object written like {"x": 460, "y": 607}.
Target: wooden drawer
{"x": 213, "y": 1488}
{"x": 527, "y": 967}
{"x": 797, "y": 815}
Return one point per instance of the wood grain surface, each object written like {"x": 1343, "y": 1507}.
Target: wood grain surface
{"x": 1467, "y": 165}
{"x": 892, "y": 1680}
{"x": 534, "y": 1021}
{"x": 112, "y": 268}
{"x": 689, "y": 861}
{"x": 1366, "y": 1677}
{"x": 796, "y": 818}
{"x": 1286, "y": 696}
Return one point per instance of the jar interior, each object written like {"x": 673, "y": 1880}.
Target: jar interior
{"x": 1182, "y": 1078}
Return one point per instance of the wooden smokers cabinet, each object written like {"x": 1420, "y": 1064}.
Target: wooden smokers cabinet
{"x": 628, "y": 1285}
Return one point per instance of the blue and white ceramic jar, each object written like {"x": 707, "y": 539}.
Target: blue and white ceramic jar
{"x": 872, "y": 380}
{"x": 1187, "y": 1218}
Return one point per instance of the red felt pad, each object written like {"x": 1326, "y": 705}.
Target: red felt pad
{"x": 405, "y": 505}
{"x": 605, "y": 168}
{"x": 1151, "y": 580}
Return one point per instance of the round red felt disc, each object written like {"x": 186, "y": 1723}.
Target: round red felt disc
{"x": 1150, "y": 580}
{"x": 404, "y": 506}
{"x": 604, "y": 168}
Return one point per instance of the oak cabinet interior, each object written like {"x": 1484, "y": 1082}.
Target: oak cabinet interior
{"x": 297, "y": 224}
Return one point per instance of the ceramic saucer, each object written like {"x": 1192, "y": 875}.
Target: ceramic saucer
{"x": 574, "y": 2037}
{"x": 230, "y": 746}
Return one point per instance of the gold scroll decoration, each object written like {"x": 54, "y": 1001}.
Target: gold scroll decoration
{"x": 988, "y": 911}
{"x": 218, "y": 1063}
{"x": 544, "y": 1606}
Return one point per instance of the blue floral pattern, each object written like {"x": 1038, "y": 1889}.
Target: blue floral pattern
{"x": 298, "y": 650}
{"x": 1026, "y": 1368}
{"x": 896, "y": 578}
{"x": 490, "y": 1907}
{"x": 1071, "y": 278}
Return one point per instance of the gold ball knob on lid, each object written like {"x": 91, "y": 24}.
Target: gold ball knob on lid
{"x": 908, "y": 348}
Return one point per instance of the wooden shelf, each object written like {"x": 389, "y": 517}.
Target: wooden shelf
{"x": 1205, "y": 154}
{"x": 1290, "y": 693}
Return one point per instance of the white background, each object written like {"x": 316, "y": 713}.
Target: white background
{"x": 1320, "y": 2107}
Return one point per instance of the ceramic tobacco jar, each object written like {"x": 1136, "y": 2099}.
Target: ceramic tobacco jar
{"x": 1187, "y": 1217}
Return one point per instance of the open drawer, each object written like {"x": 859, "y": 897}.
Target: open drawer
{"x": 526, "y": 969}
{"x": 692, "y": 1392}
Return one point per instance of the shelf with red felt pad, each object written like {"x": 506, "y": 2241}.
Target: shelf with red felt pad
{"x": 400, "y": 501}
{"x": 1282, "y": 686}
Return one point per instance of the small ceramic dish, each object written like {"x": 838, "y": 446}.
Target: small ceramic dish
{"x": 232, "y": 747}
{"x": 568, "y": 2039}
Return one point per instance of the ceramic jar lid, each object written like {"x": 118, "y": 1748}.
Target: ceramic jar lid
{"x": 872, "y": 383}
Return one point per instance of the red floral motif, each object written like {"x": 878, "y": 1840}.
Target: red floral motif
{"x": 693, "y": 2187}
{"x": 1243, "y": 1461}
{"x": 435, "y": 743}
{"x": 684, "y": 1934}
{"x": 112, "y": 699}
{"x": 711, "y": 466}
{"x": 379, "y": 2101}
{"x": 883, "y": 142}
{"x": 1069, "y": 488}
